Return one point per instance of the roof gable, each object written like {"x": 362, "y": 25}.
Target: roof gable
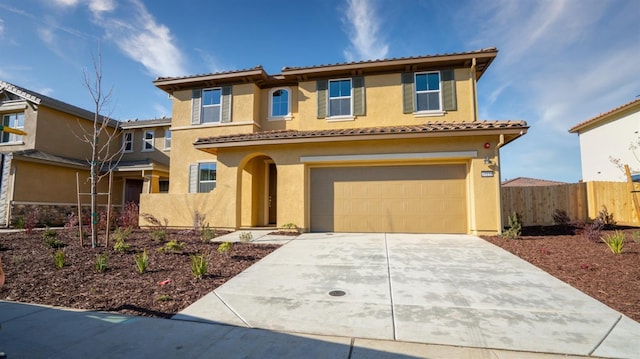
{"x": 606, "y": 116}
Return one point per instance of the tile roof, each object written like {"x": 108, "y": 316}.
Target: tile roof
{"x": 593, "y": 120}
{"x": 433, "y": 127}
{"x": 41, "y": 99}
{"x": 164, "y": 121}
{"x": 529, "y": 182}
{"x": 48, "y": 157}
{"x": 487, "y": 50}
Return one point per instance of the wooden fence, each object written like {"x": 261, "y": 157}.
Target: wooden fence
{"x": 581, "y": 201}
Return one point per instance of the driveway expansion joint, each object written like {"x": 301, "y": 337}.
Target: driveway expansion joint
{"x": 604, "y": 337}
{"x": 393, "y": 316}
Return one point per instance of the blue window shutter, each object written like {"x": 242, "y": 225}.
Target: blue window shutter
{"x": 226, "y": 104}
{"x": 193, "y": 178}
{"x": 407, "y": 93}
{"x": 449, "y": 102}
{"x": 321, "y": 92}
{"x": 359, "y": 107}
{"x": 196, "y": 106}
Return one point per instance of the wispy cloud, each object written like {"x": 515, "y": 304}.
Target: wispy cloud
{"x": 363, "y": 29}
{"x": 141, "y": 38}
{"x": 1, "y": 27}
{"x": 560, "y": 62}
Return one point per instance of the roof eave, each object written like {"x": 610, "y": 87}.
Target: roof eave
{"x": 170, "y": 85}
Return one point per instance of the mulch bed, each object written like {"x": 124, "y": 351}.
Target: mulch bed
{"x": 167, "y": 287}
{"x": 587, "y": 265}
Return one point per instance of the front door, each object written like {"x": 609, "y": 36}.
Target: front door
{"x": 132, "y": 190}
{"x": 272, "y": 195}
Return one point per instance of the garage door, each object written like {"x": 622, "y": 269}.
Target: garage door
{"x": 400, "y": 199}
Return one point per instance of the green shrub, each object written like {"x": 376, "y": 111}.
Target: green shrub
{"x": 614, "y": 241}
{"x": 59, "y": 258}
{"x": 142, "y": 261}
{"x": 171, "y": 246}
{"x": 51, "y": 239}
{"x": 636, "y": 237}
{"x": 121, "y": 246}
{"x": 164, "y": 298}
{"x": 20, "y": 223}
{"x": 225, "y": 248}
{"x": 515, "y": 227}
{"x": 159, "y": 235}
{"x": 101, "y": 262}
{"x": 291, "y": 227}
{"x": 207, "y": 233}
{"x": 120, "y": 235}
{"x": 198, "y": 266}
{"x": 246, "y": 236}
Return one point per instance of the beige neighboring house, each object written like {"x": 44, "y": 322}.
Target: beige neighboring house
{"x": 39, "y": 169}
{"x": 374, "y": 146}
{"x": 609, "y": 135}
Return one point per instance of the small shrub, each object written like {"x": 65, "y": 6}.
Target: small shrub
{"x": 636, "y": 237}
{"x": 142, "y": 261}
{"x": 49, "y": 233}
{"x": 164, "y": 298}
{"x": 51, "y": 239}
{"x": 246, "y": 236}
{"x": 225, "y": 248}
{"x": 515, "y": 226}
{"x": 606, "y": 218}
{"x": 32, "y": 220}
{"x": 159, "y": 235}
{"x": 593, "y": 230}
{"x": 129, "y": 216}
{"x": 155, "y": 222}
{"x": 207, "y": 233}
{"x": 198, "y": 266}
{"x": 171, "y": 246}
{"x": 20, "y": 224}
{"x": 72, "y": 221}
{"x": 101, "y": 262}
{"x": 561, "y": 218}
{"x": 198, "y": 221}
{"x": 291, "y": 227}
{"x": 59, "y": 258}
{"x": 614, "y": 241}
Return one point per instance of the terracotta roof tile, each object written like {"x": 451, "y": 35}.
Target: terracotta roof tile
{"x": 529, "y": 182}
{"x": 424, "y": 128}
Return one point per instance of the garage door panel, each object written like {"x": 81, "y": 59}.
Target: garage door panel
{"x": 389, "y": 199}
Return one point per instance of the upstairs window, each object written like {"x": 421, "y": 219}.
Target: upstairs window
{"x": 428, "y": 91}
{"x": 211, "y": 105}
{"x": 280, "y": 103}
{"x": 340, "y": 98}
{"x": 13, "y": 120}
{"x": 167, "y": 139}
{"x": 202, "y": 177}
{"x": 127, "y": 141}
{"x": 147, "y": 141}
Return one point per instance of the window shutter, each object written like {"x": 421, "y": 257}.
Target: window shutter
{"x": 196, "y": 105}
{"x": 226, "y": 104}
{"x": 193, "y": 178}
{"x": 321, "y": 92}
{"x": 407, "y": 93}
{"x": 449, "y": 102}
{"x": 359, "y": 108}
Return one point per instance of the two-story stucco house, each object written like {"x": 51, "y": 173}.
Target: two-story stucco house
{"x": 39, "y": 169}
{"x": 609, "y": 136}
{"x": 375, "y": 146}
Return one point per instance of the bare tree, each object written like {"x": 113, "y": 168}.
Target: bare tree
{"x": 104, "y": 156}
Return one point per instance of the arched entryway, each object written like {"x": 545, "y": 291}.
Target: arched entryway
{"x": 258, "y": 195}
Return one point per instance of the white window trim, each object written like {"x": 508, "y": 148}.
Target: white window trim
{"x": 428, "y": 113}
{"x": 167, "y": 131}
{"x": 286, "y": 117}
{"x": 145, "y": 141}
{"x": 215, "y": 182}
{"x": 202, "y": 106}
{"x": 13, "y": 138}
{"x": 124, "y": 141}
{"x": 338, "y": 118}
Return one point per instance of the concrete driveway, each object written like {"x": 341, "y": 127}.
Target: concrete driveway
{"x": 439, "y": 289}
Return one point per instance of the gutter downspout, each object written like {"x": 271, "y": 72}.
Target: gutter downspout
{"x": 499, "y": 199}
{"x": 474, "y": 89}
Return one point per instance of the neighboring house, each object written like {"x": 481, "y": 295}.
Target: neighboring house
{"x": 529, "y": 182}
{"x": 606, "y": 136}
{"x": 374, "y": 146}
{"x": 39, "y": 169}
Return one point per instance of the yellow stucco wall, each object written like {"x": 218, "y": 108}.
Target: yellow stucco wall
{"x": 42, "y": 183}
{"x": 236, "y": 170}
{"x": 159, "y": 153}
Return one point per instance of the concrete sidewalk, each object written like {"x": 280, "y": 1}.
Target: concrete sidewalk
{"x": 453, "y": 290}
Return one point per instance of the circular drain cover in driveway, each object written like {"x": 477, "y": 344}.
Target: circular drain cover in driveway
{"x": 337, "y": 293}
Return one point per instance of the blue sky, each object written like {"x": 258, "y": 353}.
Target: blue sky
{"x": 561, "y": 61}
